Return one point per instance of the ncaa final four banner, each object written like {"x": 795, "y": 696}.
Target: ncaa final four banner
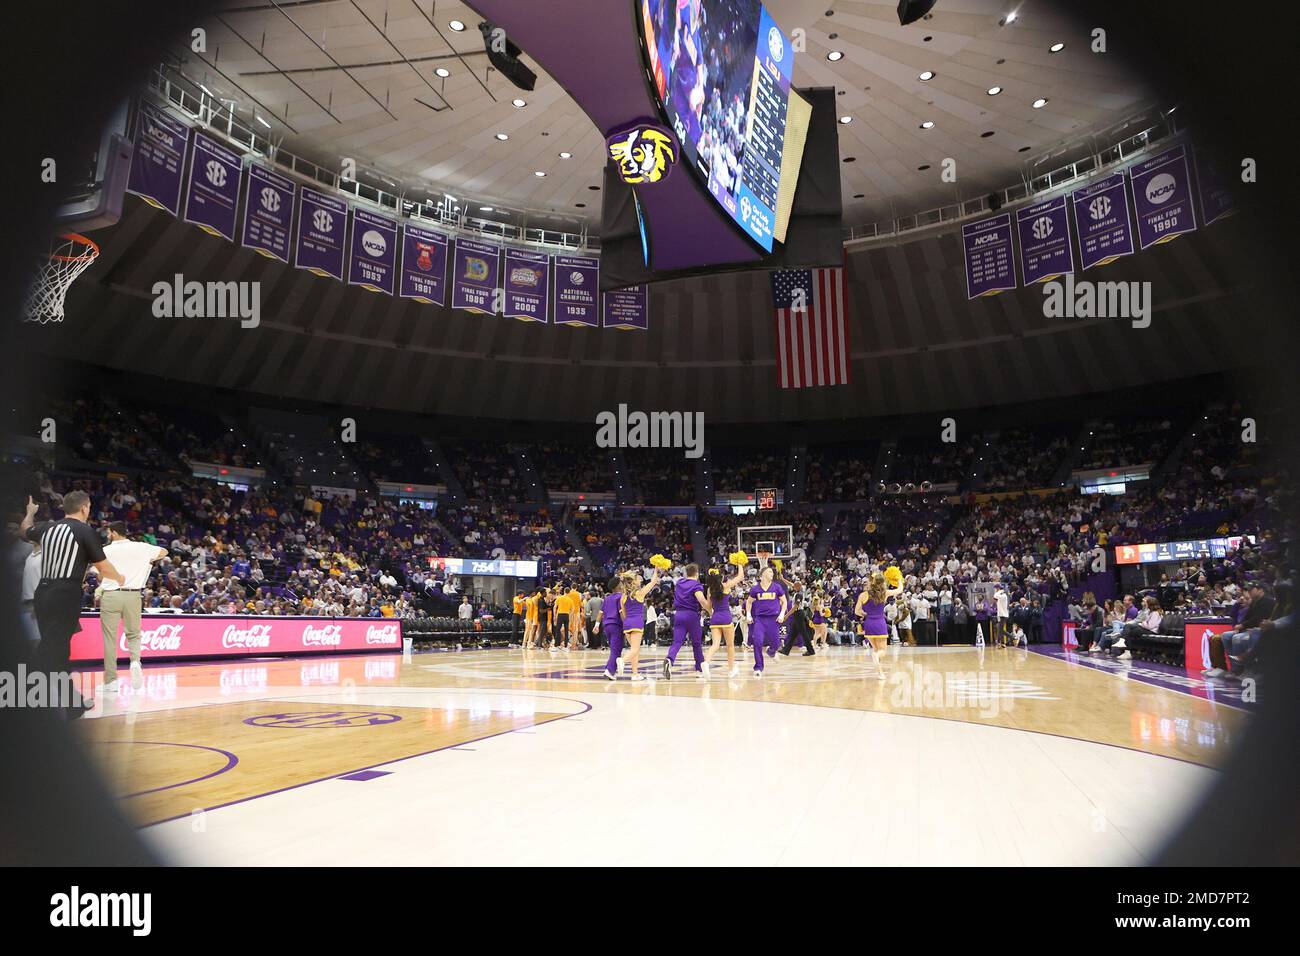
{"x": 322, "y": 223}
{"x": 1162, "y": 197}
{"x": 1102, "y": 221}
{"x": 577, "y": 291}
{"x": 372, "y": 256}
{"x": 268, "y": 213}
{"x": 158, "y": 163}
{"x": 424, "y": 265}
{"x": 526, "y": 285}
{"x": 212, "y": 200}
{"x": 1045, "y": 250}
{"x": 986, "y": 246}
{"x": 627, "y": 309}
{"x": 474, "y": 276}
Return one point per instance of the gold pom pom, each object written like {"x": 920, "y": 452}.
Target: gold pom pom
{"x": 660, "y": 562}
{"x": 893, "y": 576}
{"x": 739, "y": 558}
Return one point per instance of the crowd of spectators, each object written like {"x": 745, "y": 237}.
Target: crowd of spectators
{"x": 489, "y": 471}
{"x": 839, "y": 472}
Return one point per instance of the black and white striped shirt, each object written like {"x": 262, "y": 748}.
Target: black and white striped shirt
{"x": 67, "y": 547}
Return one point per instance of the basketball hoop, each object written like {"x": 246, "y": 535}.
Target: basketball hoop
{"x": 70, "y": 256}
{"x": 763, "y": 558}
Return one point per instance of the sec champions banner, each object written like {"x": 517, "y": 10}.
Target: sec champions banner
{"x": 212, "y": 200}
{"x": 424, "y": 265}
{"x": 526, "y": 281}
{"x": 1045, "y": 250}
{"x": 322, "y": 222}
{"x": 1102, "y": 221}
{"x": 268, "y": 213}
{"x": 474, "y": 276}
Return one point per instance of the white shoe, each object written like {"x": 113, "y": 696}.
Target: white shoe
{"x": 758, "y": 675}
{"x": 137, "y": 674}
{"x": 704, "y": 671}
{"x": 608, "y": 675}
{"x": 880, "y": 675}
{"x": 1126, "y": 656}
{"x": 734, "y": 672}
{"x": 619, "y": 667}
{"x": 114, "y": 684}
{"x": 638, "y": 678}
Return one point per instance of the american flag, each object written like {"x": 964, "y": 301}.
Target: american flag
{"x": 812, "y": 331}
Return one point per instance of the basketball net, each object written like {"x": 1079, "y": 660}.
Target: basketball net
{"x": 763, "y": 558}
{"x": 70, "y": 255}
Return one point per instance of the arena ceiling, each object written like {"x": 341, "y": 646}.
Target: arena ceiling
{"x": 359, "y": 78}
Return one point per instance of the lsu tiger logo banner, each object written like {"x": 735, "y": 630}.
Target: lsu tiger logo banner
{"x": 643, "y": 153}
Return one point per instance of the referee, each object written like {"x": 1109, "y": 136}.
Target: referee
{"x": 67, "y": 547}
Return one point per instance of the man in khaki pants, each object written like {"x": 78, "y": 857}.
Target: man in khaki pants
{"x": 134, "y": 559}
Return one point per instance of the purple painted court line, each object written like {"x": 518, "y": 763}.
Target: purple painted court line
{"x": 231, "y": 760}
{"x": 1226, "y": 692}
{"x": 366, "y": 775}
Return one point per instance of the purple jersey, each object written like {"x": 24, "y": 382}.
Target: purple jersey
{"x": 767, "y": 601}
{"x": 873, "y": 619}
{"x": 684, "y": 595}
{"x": 609, "y": 609}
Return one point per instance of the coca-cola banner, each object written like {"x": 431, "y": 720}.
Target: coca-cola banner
{"x": 178, "y": 635}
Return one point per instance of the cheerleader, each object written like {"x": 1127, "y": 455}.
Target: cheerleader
{"x": 612, "y": 625}
{"x": 820, "y": 620}
{"x": 721, "y": 626}
{"x": 765, "y": 610}
{"x": 871, "y": 608}
{"x": 632, "y": 615}
{"x": 689, "y": 600}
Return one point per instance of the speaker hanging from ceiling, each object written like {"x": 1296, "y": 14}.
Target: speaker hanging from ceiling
{"x": 909, "y": 11}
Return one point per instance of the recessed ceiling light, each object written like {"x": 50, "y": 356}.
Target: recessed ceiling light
{"x": 922, "y": 168}
{"x": 485, "y": 209}
{"x": 519, "y": 103}
{"x": 846, "y": 120}
{"x": 539, "y": 173}
{"x": 850, "y": 159}
{"x": 456, "y": 25}
{"x": 927, "y": 75}
{"x": 1056, "y": 47}
{"x": 928, "y": 124}
{"x": 566, "y": 155}
{"x": 580, "y": 205}
{"x": 834, "y": 56}
{"x": 503, "y": 136}
{"x": 1040, "y": 103}
{"x": 994, "y": 90}
{"x": 1009, "y": 18}
{"x": 443, "y": 72}
{"x": 859, "y": 195}
{"x": 986, "y": 134}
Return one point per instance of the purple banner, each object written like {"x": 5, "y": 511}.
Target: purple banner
{"x": 212, "y": 201}
{"x": 1102, "y": 220}
{"x": 627, "y": 308}
{"x": 424, "y": 265}
{"x": 268, "y": 213}
{"x": 372, "y": 261}
{"x": 577, "y": 285}
{"x": 322, "y": 223}
{"x": 1217, "y": 200}
{"x": 161, "y": 144}
{"x": 1045, "y": 250}
{"x": 987, "y": 248}
{"x": 1162, "y": 197}
{"x": 526, "y": 278}
{"x": 474, "y": 276}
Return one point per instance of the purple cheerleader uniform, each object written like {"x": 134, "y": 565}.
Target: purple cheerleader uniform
{"x": 613, "y": 628}
{"x": 633, "y": 614}
{"x": 721, "y": 615}
{"x": 686, "y": 621}
{"x": 766, "y": 609}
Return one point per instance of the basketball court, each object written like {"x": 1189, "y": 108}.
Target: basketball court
{"x": 961, "y": 756}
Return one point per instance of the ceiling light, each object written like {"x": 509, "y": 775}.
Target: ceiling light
{"x": 443, "y": 72}
{"x": 1056, "y": 47}
{"x": 486, "y": 209}
{"x": 834, "y": 56}
{"x": 994, "y": 90}
{"x": 519, "y": 103}
{"x": 927, "y": 75}
{"x": 1009, "y": 18}
{"x": 846, "y": 120}
{"x": 566, "y": 155}
{"x": 539, "y": 174}
{"x": 456, "y": 25}
{"x": 503, "y": 136}
{"x": 1040, "y": 103}
{"x": 928, "y": 124}
{"x": 262, "y": 121}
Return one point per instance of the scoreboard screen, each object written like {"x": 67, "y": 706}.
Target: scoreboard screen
{"x": 765, "y": 499}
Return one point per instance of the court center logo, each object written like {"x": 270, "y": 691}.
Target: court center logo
{"x": 636, "y": 429}
{"x": 323, "y": 720}
{"x": 642, "y": 153}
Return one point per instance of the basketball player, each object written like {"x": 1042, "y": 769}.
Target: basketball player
{"x": 632, "y": 613}
{"x": 576, "y": 625}
{"x": 562, "y": 603}
{"x": 612, "y": 625}
{"x": 532, "y": 618}
{"x": 518, "y": 605}
{"x": 721, "y": 625}
{"x": 871, "y": 609}
{"x": 688, "y": 600}
{"x": 765, "y": 609}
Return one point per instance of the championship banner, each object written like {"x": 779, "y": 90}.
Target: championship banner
{"x": 212, "y": 200}
{"x": 526, "y": 279}
{"x": 474, "y": 276}
{"x": 268, "y": 213}
{"x": 424, "y": 265}
{"x": 1101, "y": 219}
{"x": 1045, "y": 250}
{"x": 1162, "y": 196}
{"x": 627, "y": 309}
{"x": 1216, "y": 199}
{"x": 577, "y": 281}
{"x": 322, "y": 222}
{"x": 158, "y": 164}
{"x": 372, "y": 258}
{"x": 181, "y": 635}
{"x": 986, "y": 246}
